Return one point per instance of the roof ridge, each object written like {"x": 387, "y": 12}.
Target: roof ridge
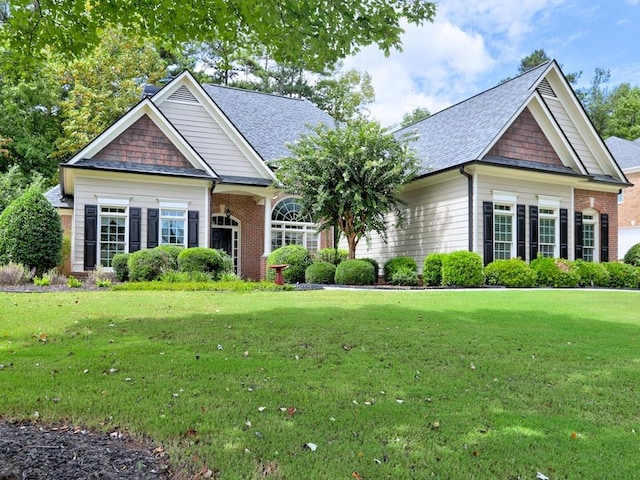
{"x": 499, "y": 85}
{"x": 258, "y": 92}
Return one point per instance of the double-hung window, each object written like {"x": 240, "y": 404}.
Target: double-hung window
{"x": 589, "y": 237}
{"x": 548, "y": 232}
{"x": 503, "y": 232}
{"x": 113, "y": 232}
{"x": 173, "y": 224}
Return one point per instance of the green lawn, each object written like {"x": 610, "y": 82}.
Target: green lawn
{"x": 396, "y": 384}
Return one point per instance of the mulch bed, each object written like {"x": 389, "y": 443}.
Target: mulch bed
{"x": 37, "y": 452}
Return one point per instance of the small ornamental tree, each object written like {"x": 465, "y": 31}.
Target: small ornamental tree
{"x": 349, "y": 177}
{"x": 31, "y": 232}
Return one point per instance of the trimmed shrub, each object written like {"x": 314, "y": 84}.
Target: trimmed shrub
{"x": 120, "y": 264}
{"x": 200, "y": 259}
{"x": 405, "y": 276}
{"x": 15, "y": 274}
{"x": 320, "y": 272}
{"x": 173, "y": 251}
{"x": 298, "y": 259}
{"x": 510, "y": 273}
{"x": 591, "y": 274}
{"x": 228, "y": 269}
{"x": 355, "y": 272}
{"x": 376, "y": 267}
{"x": 622, "y": 275}
{"x": 148, "y": 264}
{"x": 432, "y": 269}
{"x": 462, "y": 269}
{"x": 555, "y": 273}
{"x": 331, "y": 255}
{"x": 31, "y": 232}
{"x": 392, "y": 266}
{"x": 632, "y": 257}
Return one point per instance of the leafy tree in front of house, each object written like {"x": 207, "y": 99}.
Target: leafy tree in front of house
{"x": 349, "y": 177}
{"x": 31, "y": 232}
{"x": 14, "y": 183}
{"x": 418, "y": 113}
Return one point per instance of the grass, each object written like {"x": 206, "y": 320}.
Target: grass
{"x": 414, "y": 384}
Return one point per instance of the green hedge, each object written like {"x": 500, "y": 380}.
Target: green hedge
{"x": 405, "y": 276}
{"x": 331, "y": 255}
{"x": 622, "y": 275}
{"x": 510, "y": 273}
{"x": 591, "y": 274}
{"x": 557, "y": 273}
{"x": 120, "y": 264}
{"x": 432, "y": 269}
{"x": 173, "y": 251}
{"x": 295, "y": 256}
{"x": 320, "y": 272}
{"x": 200, "y": 259}
{"x": 376, "y": 267}
{"x": 632, "y": 257}
{"x": 355, "y": 272}
{"x": 393, "y": 265}
{"x": 148, "y": 264}
{"x": 462, "y": 269}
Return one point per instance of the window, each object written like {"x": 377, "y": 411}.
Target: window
{"x": 113, "y": 233}
{"x": 621, "y": 197}
{"x": 173, "y": 227}
{"x": 503, "y": 245}
{"x": 290, "y": 227}
{"x": 589, "y": 237}
{"x": 548, "y": 235}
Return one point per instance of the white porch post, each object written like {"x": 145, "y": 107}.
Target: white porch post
{"x": 267, "y": 226}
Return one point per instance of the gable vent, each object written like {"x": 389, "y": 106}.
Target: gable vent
{"x": 545, "y": 89}
{"x": 183, "y": 95}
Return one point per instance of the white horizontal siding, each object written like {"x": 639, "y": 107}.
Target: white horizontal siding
{"x": 571, "y": 132}
{"x": 208, "y": 139}
{"x": 527, "y": 194}
{"x": 140, "y": 194}
{"x": 435, "y": 220}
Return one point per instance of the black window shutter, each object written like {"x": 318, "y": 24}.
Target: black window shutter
{"x": 90, "y": 236}
{"x": 579, "y": 240}
{"x": 533, "y": 232}
{"x": 521, "y": 223}
{"x": 152, "y": 227}
{"x": 135, "y": 215}
{"x": 564, "y": 233}
{"x": 192, "y": 237}
{"x": 604, "y": 237}
{"x": 487, "y": 215}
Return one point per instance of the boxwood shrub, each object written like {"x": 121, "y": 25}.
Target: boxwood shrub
{"x": 622, "y": 275}
{"x": 591, "y": 274}
{"x": 320, "y": 272}
{"x": 462, "y": 269}
{"x": 632, "y": 257}
{"x": 376, "y": 267}
{"x": 331, "y": 255}
{"x": 432, "y": 269}
{"x": 173, "y": 251}
{"x": 405, "y": 276}
{"x": 120, "y": 264}
{"x": 393, "y": 265}
{"x": 355, "y": 272}
{"x": 510, "y": 273}
{"x": 298, "y": 259}
{"x": 200, "y": 259}
{"x": 148, "y": 264}
{"x": 552, "y": 272}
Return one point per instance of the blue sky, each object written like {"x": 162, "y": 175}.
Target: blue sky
{"x": 472, "y": 45}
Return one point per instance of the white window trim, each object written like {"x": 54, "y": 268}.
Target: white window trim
{"x": 511, "y": 213}
{"x": 181, "y": 208}
{"x": 173, "y": 205}
{"x": 548, "y": 201}
{"x": 504, "y": 197}
{"x": 596, "y": 229}
{"x": 555, "y": 216}
{"x": 113, "y": 201}
{"x": 117, "y": 203}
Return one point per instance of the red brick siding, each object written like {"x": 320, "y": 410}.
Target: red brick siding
{"x": 603, "y": 203}
{"x": 144, "y": 143}
{"x": 524, "y": 140}
{"x": 629, "y": 209}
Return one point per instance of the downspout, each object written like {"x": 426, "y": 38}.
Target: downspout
{"x": 470, "y": 195}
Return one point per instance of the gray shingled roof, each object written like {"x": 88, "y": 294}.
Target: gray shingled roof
{"x": 268, "y": 122}
{"x": 140, "y": 168}
{"x": 460, "y": 133}
{"x": 625, "y": 152}
{"x": 56, "y": 199}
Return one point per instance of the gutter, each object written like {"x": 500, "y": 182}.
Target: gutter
{"x": 470, "y": 195}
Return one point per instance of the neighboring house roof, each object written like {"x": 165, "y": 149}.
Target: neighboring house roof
{"x": 626, "y": 152}
{"x": 268, "y": 122}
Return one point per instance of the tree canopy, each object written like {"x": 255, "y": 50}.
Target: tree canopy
{"x": 417, "y": 114}
{"x": 349, "y": 177}
{"x": 316, "y": 33}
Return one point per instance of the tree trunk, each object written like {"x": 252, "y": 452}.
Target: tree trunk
{"x": 352, "y": 241}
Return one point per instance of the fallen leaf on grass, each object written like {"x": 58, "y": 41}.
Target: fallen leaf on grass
{"x": 310, "y": 446}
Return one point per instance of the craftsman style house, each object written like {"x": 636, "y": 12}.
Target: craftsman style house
{"x": 515, "y": 171}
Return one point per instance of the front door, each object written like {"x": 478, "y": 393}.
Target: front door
{"x": 221, "y": 239}
{"x": 225, "y": 235}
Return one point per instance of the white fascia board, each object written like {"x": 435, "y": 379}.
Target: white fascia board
{"x": 186, "y": 79}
